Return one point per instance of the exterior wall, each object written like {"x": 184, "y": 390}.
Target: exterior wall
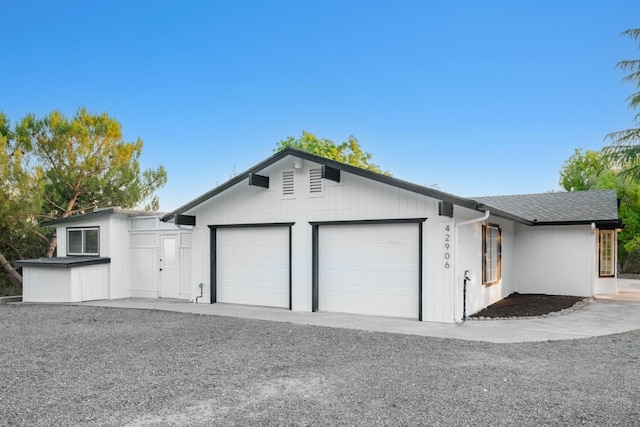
{"x": 555, "y": 260}
{"x": 89, "y": 283}
{"x": 479, "y": 295}
{"x": 605, "y": 285}
{"x": 354, "y": 198}
{"x": 47, "y": 285}
{"x": 66, "y": 284}
{"x": 144, "y": 253}
{"x": 117, "y": 247}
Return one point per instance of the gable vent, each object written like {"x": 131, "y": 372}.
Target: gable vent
{"x": 287, "y": 183}
{"x": 315, "y": 181}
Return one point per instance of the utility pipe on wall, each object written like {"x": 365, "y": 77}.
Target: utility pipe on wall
{"x": 455, "y": 265}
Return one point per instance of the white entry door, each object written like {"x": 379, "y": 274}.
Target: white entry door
{"x": 169, "y": 283}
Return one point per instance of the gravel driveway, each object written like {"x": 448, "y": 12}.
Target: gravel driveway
{"x": 69, "y": 365}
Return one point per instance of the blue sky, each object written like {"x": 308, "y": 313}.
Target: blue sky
{"x": 480, "y": 98}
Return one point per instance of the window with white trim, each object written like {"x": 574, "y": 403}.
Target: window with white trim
{"x": 83, "y": 241}
{"x": 607, "y": 252}
{"x": 491, "y": 254}
{"x": 315, "y": 182}
{"x": 288, "y": 183}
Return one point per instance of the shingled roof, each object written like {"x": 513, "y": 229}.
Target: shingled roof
{"x": 599, "y": 206}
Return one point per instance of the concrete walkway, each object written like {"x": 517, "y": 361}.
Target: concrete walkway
{"x": 606, "y": 315}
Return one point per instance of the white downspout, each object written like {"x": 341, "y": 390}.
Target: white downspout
{"x": 456, "y": 292}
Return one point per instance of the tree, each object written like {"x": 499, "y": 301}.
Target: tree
{"x": 625, "y": 144}
{"x": 593, "y": 170}
{"x": 348, "y": 152}
{"x": 71, "y": 166}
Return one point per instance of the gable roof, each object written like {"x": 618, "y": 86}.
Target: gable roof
{"x": 395, "y": 182}
{"x": 600, "y": 206}
{"x": 532, "y": 209}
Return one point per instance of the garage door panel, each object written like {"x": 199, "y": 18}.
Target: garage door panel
{"x": 252, "y": 266}
{"x": 369, "y": 269}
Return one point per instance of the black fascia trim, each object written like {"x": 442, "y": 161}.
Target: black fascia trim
{"x": 369, "y": 221}
{"x": 258, "y": 180}
{"x": 315, "y": 262}
{"x": 213, "y": 264}
{"x": 445, "y": 209}
{"x": 81, "y": 217}
{"x": 63, "y": 262}
{"x": 314, "y": 268}
{"x": 616, "y": 223}
{"x": 327, "y": 172}
{"x": 420, "y": 271}
{"x": 385, "y": 179}
{"x": 290, "y": 265}
{"x": 254, "y": 225}
{"x": 185, "y": 220}
{"x": 213, "y": 254}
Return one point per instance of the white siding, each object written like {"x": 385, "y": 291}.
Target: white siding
{"x": 479, "y": 295}
{"x": 354, "y": 198}
{"x": 144, "y": 272}
{"x": 92, "y": 282}
{"x": 117, "y": 248}
{"x": 555, "y": 260}
{"x": 47, "y": 285}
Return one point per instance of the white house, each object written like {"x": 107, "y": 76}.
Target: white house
{"x": 305, "y": 233}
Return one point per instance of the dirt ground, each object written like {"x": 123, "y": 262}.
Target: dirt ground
{"x": 521, "y": 305}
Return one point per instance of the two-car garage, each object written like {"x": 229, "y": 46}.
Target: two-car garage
{"x": 368, "y": 267}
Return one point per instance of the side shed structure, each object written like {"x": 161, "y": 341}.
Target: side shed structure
{"x": 112, "y": 253}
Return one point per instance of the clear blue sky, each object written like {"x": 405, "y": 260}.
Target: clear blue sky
{"x": 478, "y": 97}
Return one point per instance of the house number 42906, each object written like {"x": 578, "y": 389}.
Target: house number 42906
{"x": 447, "y": 246}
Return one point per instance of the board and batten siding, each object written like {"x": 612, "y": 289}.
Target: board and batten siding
{"x": 47, "y": 285}
{"x": 354, "y": 198}
{"x": 470, "y": 237}
{"x": 555, "y": 260}
{"x": 73, "y": 284}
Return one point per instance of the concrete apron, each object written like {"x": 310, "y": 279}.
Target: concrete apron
{"x": 605, "y": 315}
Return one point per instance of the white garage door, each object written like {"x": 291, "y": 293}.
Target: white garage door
{"x": 369, "y": 269}
{"x": 252, "y": 266}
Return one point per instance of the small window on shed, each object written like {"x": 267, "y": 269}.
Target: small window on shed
{"x": 83, "y": 241}
{"x": 315, "y": 181}
{"x": 288, "y": 183}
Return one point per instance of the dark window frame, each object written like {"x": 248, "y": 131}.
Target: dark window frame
{"x": 485, "y": 254}
{"x": 84, "y": 251}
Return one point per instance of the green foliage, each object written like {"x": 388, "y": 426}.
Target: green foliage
{"x": 348, "y": 152}
{"x": 593, "y": 170}
{"x": 625, "y": 144}
{"x": 85, "y": 163}
{"x": 54, "y": 167}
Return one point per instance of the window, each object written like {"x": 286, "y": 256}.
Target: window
{"x": 83, "y": 241}
{"x": 491, "y": 254}
{"x": 607, "y": 248}
{"x": 315, "y": 181}
{"x": 288, "y": 186}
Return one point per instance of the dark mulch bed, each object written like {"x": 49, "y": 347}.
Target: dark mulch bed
{"x": 518, "y": 305}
